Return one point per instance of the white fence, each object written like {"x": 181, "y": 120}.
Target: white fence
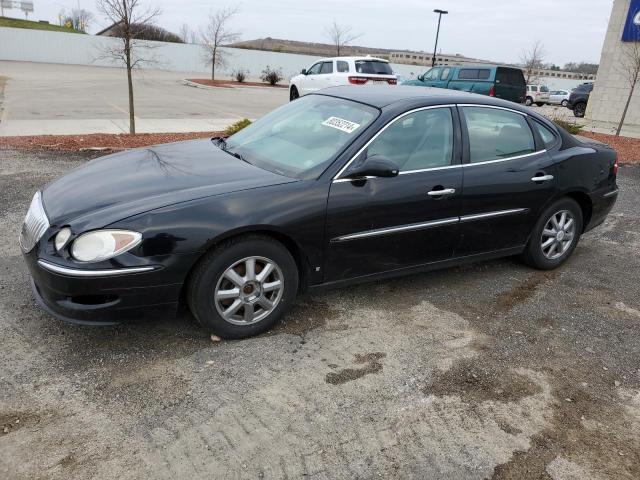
{"x": 77, "y": 49}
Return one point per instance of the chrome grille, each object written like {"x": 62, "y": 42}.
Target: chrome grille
{"x": 35, "y": 224}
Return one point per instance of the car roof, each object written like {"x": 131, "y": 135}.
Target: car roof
{"x": 327, "y": 59}
{"x": 383, "y": 96}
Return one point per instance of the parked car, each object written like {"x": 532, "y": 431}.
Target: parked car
{"x": 345, "y": 185}
{"x": 579, "y": 98}
{"x": 559, "y": 97}
{"x": 331, "y": 72}
{"x": 538, "y": 94}
{"x": 501, "y": 82}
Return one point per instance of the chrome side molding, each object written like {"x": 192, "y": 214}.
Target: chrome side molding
{"x": 76, "y": 272}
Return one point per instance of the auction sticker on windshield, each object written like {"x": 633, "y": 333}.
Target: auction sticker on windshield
{"x": 341, "y": 124}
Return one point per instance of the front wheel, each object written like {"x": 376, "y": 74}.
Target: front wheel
{"x": 243, "y": 287}
{"x": 555, "y": 235}
{"x": 293, "y": 94}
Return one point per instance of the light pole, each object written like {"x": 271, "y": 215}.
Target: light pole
{"x": 435, "y": 49}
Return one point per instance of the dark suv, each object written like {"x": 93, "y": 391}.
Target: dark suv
{"x": 579, "y": 98}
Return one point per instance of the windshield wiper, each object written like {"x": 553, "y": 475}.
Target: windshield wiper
{"x": 222, "y": 143}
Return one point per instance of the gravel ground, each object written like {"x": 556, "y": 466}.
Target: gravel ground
{"x": 487, "y": 371}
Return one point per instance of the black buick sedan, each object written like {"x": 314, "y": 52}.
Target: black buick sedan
{"x": 349, "y": 184}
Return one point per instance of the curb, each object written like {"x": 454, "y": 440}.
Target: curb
{"x": 189, "y": 83}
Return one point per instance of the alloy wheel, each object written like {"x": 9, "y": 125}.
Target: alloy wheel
{"x": 558, "y": 234}
{"x": 249, "y": 290}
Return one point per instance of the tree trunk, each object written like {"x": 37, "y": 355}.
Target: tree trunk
{"x": 626, "y": 107}
{"x": 213, "y": 64}
{"x": 132, "y": 120}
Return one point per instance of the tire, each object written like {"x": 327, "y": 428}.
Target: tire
{"x": 564, "y": 103}
{"x": 528, "y": 101}
{"x": 293, "y": 94}
{"x": 546, "y": 258}
{"x": 579, "y": 109}
{"x": 540, "y": 104}
{"x": 211, "y": 293}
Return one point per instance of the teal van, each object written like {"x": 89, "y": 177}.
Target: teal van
{"x": 492, "y": 80}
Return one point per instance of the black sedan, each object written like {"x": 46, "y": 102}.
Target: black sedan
{"x": 348, "y": 184}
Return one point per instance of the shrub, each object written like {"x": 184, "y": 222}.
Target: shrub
{"x": 240, "y": 75}
{"x": 572, "y": 128}
{"x": 236, "y": 127}
{"x": 271, "y": 75}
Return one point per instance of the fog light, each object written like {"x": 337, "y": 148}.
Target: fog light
{"x": 62, "y": 238}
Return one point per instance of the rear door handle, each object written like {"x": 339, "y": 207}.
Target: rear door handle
{"x": 542, "y": 178}
{"x": 444, "y": 191}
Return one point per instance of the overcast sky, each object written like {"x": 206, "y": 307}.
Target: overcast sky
{"x": 571, "y": 30}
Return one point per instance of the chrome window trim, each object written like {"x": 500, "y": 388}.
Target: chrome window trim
{"x": 75, "y": 272}
{"x": 505, "y": 159}
{"x": 424, "y": 225}
{"x": 494, "y": 107}
{"x": 402, "y": 228}
{"x": 336, "y": 177}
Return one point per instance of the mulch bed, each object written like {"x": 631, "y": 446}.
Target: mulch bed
{"x": 231, "y": 83}
{"x": 76, "y": 143}
{"x": 628, "y": 148}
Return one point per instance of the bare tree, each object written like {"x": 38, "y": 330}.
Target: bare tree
{"x": 78, "y": 19}
{"x": 630, "y": 68}
{"x": 125, "y": 14}
{"x": 217, "y": 34}
{"x": 340, "y": 35}
{"x": 185, "y": 33}
{"x": 532, "y": 59}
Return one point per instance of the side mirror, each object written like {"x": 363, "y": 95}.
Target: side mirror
{"x": 421, "y": 77}
{"x": 374, "y": 166}
{"x": 303, "y": 71}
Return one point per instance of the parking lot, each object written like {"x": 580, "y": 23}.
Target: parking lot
{"x": 491, "y": 370}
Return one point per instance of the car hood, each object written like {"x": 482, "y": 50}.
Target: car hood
{"x": 135, "y": 181}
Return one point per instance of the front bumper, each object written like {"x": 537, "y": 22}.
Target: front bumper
{"x": 109, "y": 299}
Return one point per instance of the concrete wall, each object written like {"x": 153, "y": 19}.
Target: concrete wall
{"x": 609, "y": 95}
{"x": 70, "y": 48}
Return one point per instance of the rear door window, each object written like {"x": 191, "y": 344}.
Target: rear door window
{"x": 373, "y": 67}
{"x": 496, "y": 134}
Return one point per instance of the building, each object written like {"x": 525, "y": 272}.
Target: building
{"x": 425, "y": 59}
{"x": 611, "y": 88}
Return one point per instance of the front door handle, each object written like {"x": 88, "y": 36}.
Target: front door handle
{"x": 444, "y": 191}
{"x": 542, "y": 178}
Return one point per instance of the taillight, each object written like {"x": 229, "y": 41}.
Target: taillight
{"x": 492, "y": 91}
{"x": 393, "y": 81}
{"x": 358, "y": 80}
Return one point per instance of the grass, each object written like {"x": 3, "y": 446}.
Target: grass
{"x": 236, "y": 127}
{"x": 19, "y": 23}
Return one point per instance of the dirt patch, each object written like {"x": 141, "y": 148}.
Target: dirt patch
{"x": 628, "y": 148}
{"x": 523, "y": 291}
{"x": 305, "y": 316}
{"x": 108, "y": 142}
{"x": 231, "y": 83}
{"x": 12, "y": 421}
{"x": 473, "y": 383}
{"x": 373, "y": 365}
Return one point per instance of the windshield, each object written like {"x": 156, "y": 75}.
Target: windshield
{"x": 373, "y": 67}
{"x": 301, "y": 138}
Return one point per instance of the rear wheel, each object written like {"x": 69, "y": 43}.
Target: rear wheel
{"x": 539, "y": 104}
{"x": 579, "y": 109}
{"x": 564, "y": 103}
{"x": 243, "y": 287}
{"x": 293, "y": 94}
{"x": 555, "y": 235}
{"x": 528, "y": 101}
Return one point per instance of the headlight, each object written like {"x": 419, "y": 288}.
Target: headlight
{"x": 62, "y": 238}
{"x": 103, "y": 244}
